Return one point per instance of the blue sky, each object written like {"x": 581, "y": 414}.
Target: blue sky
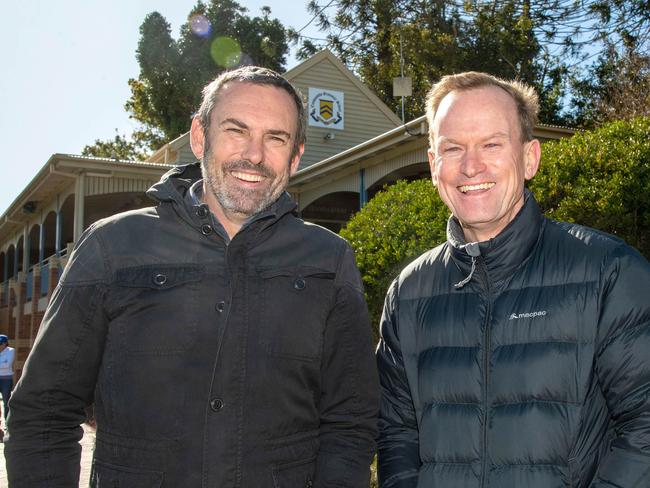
{"x": 65, "y": 67}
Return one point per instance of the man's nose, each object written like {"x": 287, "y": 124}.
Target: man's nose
{"x": 253, "y": 150}
{"x": 472, "y": 164}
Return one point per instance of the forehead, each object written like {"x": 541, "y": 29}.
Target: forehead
{"x": 486, "y": 109}
{"x": 267, "y": 103}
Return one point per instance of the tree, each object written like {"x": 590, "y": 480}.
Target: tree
{"x": 120, "y": 147}
{"x": 438, "y": 38}
{"x": 600, "y": 179}
{"x": 616, "y": 87}
{"x": 535, "y": 41}
{"x": 217, "y": 36}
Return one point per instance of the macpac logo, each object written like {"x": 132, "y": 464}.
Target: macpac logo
{"x": 527, "y": 315}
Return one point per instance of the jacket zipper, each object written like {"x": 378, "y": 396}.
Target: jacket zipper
{"x": 486, "y": 367}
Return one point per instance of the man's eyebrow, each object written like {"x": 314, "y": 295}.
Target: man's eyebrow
{"x": 236, "y": 122}
{"x": 243, "y": 125}
{"x": 451, "y": 140}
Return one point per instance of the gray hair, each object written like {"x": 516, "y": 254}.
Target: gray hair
{"x": 257, "y": 76}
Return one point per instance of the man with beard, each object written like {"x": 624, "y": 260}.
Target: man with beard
{"x": 223, "y": 341}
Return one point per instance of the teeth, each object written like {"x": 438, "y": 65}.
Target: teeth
{"x": 247, "y": 176}
{"x": 481, "y": 186}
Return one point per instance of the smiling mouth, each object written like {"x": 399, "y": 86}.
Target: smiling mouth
{"x": 252, "y": 178}
{"x": 480, "y": 186}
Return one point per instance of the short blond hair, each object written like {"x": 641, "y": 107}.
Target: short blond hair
{"x": 524, "y": 96}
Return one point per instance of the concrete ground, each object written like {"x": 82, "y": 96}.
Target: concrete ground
{"x": 87, "y": 445}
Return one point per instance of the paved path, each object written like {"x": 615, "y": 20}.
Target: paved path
{"x": 87, "y": 444}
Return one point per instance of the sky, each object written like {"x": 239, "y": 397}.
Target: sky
{"x": 64, "y": 71}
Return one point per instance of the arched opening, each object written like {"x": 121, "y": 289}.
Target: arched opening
{"x": 418, "y": 171}
{"x": 20, "y": 248}
{"x": 49, "y": 229}
{"x": 67, "y": 221}
{"x": 11, "y": 253}
{"x": 34, "y": 248}
{"x": 333, "y": 210}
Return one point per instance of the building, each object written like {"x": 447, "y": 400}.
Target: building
{"x": 355, "y": 146}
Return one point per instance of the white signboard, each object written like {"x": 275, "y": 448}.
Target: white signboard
{"x": 326, "y": 108}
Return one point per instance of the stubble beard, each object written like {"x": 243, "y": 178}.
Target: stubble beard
{"x": 238, "y": 200}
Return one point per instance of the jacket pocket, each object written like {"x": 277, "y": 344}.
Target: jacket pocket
{"x": 296, "y": 474}
{"x": 295, "y": 304}
{"x": 154, "y": 308}
{"x": 106, "y": 475}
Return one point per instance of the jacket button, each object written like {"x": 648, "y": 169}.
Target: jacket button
{"x": 206, "y": 229}
{"x": 220, "y": 307}
{"x": 310, "y": 484}
{"x": 216, "y": 404}
{"x": 202, "y": 211}
{"x": 299, "y": 284}
{"x": 160, "y": 279}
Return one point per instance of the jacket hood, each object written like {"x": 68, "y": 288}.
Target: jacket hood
{"x": 174, "y": 185}
{"x": 505, "y": 252}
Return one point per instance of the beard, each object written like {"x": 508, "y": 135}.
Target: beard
{"x": 237, "y": 199}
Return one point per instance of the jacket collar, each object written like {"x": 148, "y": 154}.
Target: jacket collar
{"x": 502, "y": 254}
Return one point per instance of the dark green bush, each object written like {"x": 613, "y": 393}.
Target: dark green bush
{"x": 600, "y": 179}
{"x": 396, "y": 226}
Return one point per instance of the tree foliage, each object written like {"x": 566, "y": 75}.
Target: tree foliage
{"x": 217, "y": 35}
{"x": 535, "y": 41}
{"x": 616, "y": 87}
{"x": 600, "y": 179}
{"x": 120, "y": 147}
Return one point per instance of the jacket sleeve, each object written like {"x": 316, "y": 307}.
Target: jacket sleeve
{"x": 47, "y": 407}
{"x": 399, "y": 444}
{"x": 349, "y": 398}
{"x": 623, "y": 369}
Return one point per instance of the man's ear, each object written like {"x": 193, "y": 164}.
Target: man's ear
{"x": 197, "y": 138}
{"x": 532, "y": 156}
{"x": 432, "y": 166}
{"x": 295, "y": 160}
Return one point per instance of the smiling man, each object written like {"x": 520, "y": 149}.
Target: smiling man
{"x": 516, "y": 353}
{"x": 224, "y": 342}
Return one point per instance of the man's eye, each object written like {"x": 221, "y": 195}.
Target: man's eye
{"x": 492, "y": 145}
{"x": 278, "y": 139}
{"x": 234, "y": 130}
{"x": 450, "y": 149}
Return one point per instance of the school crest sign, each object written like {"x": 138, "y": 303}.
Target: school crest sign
{"x": 326, "y": 108}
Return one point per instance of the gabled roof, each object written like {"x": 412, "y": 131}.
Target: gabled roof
{"x": 326, "y": 54}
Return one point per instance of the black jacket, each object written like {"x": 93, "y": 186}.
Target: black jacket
{"x": 211, "y": 365}
{"x": 535, "y": 373}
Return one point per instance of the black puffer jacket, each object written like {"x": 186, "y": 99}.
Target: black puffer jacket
{"x": 242, "y": 365}
{"x": 533, "y": 374}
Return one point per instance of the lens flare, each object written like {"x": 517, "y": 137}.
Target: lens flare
{"x": 225, "y": 52}
{"x": 200, "y": 25}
